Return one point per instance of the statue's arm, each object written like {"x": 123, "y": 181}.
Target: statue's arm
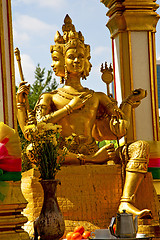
{"x": 132, "y": 101}
{"x": 46, "y": 110}
{"x": 21, "y": 99}
{"x": 119, "y": 121}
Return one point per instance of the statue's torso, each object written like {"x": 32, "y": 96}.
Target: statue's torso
{"x": 80, "y": 121}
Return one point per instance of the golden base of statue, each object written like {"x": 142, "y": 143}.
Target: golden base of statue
{"x": 12, "y": 203}
{"x": 93, "y": 199}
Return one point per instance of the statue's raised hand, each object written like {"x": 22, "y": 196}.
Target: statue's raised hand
{"x": 136, "y": 96}
{"x": 22, "y": 92}
{"x": 79, "y": 101}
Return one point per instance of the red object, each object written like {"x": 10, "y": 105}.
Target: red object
{"x": 79, "y": 229}
{"x": 76, "y": 236}
{"x": 10, "y": 164}
{"x": 5, "y": 140}
{"x": 154, "y": 162}
{"x": 86, "y": 234}
{"x": 3, "y": 150}
{"x": 69, "y": 235}
{"x": 114, "y": 228}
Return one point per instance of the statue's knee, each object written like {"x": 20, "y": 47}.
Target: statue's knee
{"x": 138, "y": 157}
{"x": 139, "y": 149}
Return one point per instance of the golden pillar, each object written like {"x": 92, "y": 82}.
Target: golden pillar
{"x": 7, "y": 76}
{"x": 12, "y": 201}
{"x": 132, "y": 24}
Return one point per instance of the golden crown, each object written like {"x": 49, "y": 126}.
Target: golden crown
{"x": 70, "y": 38}
{"x": 75, "y": 39}
{"x": 68, "y": 26}
{"x": 57, "y": 48}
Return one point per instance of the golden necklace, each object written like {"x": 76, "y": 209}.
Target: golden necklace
{"x": 65, "y": 94}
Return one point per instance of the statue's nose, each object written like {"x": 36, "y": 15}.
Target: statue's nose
{"x": 76, "y": 60}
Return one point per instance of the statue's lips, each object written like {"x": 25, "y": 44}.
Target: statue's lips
{"x": 77, "y": 66}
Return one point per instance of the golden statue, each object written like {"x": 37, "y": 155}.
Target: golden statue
{"x": 87, "y": 115}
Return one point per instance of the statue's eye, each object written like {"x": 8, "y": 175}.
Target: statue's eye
{"x": 55, "y": 59}
{"x": 71, "y": 56}
{"x": 81, "y": 56}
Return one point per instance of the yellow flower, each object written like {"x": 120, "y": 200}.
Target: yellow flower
{"x": 50, "y": 126}
{"x": 41, "y": 125}
{"x": 59, "y": 128}
{"x": 54, "y": 141}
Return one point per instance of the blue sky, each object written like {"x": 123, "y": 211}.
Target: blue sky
{"x": 35, "y": 23}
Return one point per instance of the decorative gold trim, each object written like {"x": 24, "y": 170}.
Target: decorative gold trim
{"x": 12, "y": 65}
{"x": 121, "y": 64}
{"x": 124, "y": 15}
{"x": 152, "y": 86}
{"x": 107, "y": 3}
{"x": 3, "y": 64}
{"x": 155, "y": 83}
{"x": 131, "y": 84}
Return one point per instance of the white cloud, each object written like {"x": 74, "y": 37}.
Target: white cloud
{"x": 20, "y": 37}
{"x": 52, "y": 3}
{"x": 58, "y": 4}
{"x": 28, "y": 68}
{"x": 100, "y": 50}
{"x": 26, "y": 23}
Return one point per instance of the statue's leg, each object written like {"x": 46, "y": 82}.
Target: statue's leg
{"x": 101, "y": 156}
{"x": 135, "y": 171}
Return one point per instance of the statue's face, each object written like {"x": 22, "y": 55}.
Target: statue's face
{"x": 58, "y": 63}
{"x": 74, "y": 60}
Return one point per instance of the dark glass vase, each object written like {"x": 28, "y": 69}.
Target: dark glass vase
{"x": 50, "y": 224}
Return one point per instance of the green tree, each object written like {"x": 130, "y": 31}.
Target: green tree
{"x": 44, "y": 82}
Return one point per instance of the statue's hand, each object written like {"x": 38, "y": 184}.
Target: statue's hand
{"x": 136, "y": 96}
{"x": 23, "y": 90}
{"x": 79, "y": 101}
{"x": 119, "y": 127}
{"x": 111, "y": 153}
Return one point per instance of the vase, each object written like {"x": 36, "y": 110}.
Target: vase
{"x": 50, "y": 223}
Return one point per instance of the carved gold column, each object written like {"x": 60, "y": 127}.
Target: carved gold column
{"x": 132, "y": 24}
{"x": 7, "y": 77}
{"x": 12, "y": 203}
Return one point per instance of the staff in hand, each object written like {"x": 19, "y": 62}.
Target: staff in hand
{"x": 18, "y": 58}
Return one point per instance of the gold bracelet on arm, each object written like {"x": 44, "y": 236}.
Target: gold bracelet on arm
{"x": 81, "y": 159}
{"x": 48, "y": 117}
{"x": 21, "y": 105}
{"x": 127, "y": 101}
{"x": 69, "y": 109}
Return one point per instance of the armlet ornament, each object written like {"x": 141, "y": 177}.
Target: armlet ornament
{"x": 21, "y": 105}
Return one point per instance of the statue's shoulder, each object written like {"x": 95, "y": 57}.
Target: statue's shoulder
{"x": 101, "y": 96}
{"x": 89, "y": 91}
{"x": 48, "y": 94}
{"x": 46, "y": 97}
